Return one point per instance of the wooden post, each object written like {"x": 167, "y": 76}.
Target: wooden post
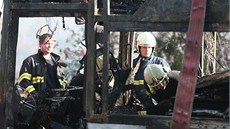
{"x": 182, "y": 110}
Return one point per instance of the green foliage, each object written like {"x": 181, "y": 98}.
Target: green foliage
{"x": 73, "y": 52}
{"x": 170, "y": 45}
{"x": 222, "y": 52}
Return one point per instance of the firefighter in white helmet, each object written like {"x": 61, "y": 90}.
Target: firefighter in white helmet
{"x": 155, "y": 76}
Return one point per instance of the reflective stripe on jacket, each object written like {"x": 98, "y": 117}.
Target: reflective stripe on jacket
{"x": 139, "y": 84}
{"x": 32, "y": 74}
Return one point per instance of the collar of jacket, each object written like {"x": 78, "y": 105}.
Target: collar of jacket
{"x": 146, "y": 58}
{"x": 53, "y": 55}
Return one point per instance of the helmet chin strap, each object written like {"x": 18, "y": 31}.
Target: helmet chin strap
{"x": 153, "y": 48}
{"x": 158, "y": 84}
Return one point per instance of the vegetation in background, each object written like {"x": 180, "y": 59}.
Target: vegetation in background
{"x": 170, "y": 45}
{"x": 73, "y": 52}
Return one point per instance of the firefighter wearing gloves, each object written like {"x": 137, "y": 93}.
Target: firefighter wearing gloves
{"x": 148, "y": 78}
{"x": 155, "y": 77}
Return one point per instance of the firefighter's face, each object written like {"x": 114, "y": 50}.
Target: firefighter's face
{"x": 48, "y": 45}
{"x": 146, "y": 51}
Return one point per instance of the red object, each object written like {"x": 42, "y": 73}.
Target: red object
{"x": 188, "y": 77}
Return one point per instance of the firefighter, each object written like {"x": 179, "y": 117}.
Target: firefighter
{"x": 42, "y": 71}
{"x": 142, "y": 71}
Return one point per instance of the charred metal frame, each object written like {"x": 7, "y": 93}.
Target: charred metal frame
{"x": 144, "y": 19}
{"x": 12, "y": 12}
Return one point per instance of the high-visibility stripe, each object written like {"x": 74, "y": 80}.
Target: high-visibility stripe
{"x": 29, "y": 89}
{"x": 151, "y": 90}
{"x": 25, "y": 76}
{"x": 62, "y": 83}
{"x": 132, "y": 74}
{"x": 142, "y": 82}
{"x": 37, "y": 79}
{"x": 138, "y": 82}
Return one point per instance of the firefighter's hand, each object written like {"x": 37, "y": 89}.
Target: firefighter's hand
{"x": 162, "y": 84}
{"x": 33, "y": 96}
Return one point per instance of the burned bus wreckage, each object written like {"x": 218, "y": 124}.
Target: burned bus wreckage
{"x": 189, "y": 100}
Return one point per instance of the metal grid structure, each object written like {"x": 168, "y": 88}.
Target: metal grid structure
{"x": 146, "y": 18}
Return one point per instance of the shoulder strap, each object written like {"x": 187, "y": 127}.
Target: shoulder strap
{"x": 133, "y": 72}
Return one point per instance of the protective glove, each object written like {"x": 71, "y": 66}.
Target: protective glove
{"x": 33, "y": 96}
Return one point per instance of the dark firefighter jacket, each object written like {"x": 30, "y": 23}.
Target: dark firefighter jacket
{"x": 140, "y": 86}
{"x": 32, "y": 76}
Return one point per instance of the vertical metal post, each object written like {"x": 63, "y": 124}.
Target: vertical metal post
{"x": 126, "y": 48}
{"x": 10, "y": 69}
{"x": 8, "y": 58}
{"x": 131, "y": 49}
{"x": 9, "y": 82}
{"x": 106, "y": 41}
{"x": 90, "y": 64}
{"x": 3, "y": 63}
{"x": 202, "y": 57}
{"x": 214, "y": 54}
{"x": 122, "y": 49}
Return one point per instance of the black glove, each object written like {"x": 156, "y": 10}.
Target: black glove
{"x": 33, "y": 96}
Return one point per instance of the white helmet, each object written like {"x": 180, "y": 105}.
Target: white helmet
{"x": 146, "y": 39}
{"x": 154, "y": 74}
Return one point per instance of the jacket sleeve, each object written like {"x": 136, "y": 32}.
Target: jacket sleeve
{"x": 164, "y": 63}
{"x": 25, "y": 76}
{"x": 166, "y": 66}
